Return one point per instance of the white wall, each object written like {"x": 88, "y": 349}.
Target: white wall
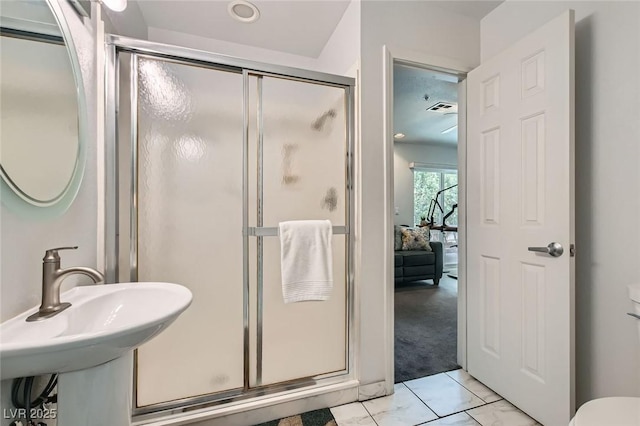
{"x": 342, "y": 51}
{"x": 23, "y": 241}
{"x": 128, "y": 23}
{"x": 415, "y": 26}
{"x": 607, "y": 179}
{"x": 405, "y": 153}
{"x": 338, "y": 56}
{"x": 232, "y": 49}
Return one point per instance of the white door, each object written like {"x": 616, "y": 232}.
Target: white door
{"x": 520, "y": 150}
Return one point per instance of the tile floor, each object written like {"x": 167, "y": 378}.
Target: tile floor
{"x": 451, "y": 398}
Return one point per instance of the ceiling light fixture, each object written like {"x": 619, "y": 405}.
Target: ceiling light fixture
{"x": 115, "y": 5}
{"x": 399, "y": 135}
{"x": 243, "y": 11}
{"x": 450, "y": 129}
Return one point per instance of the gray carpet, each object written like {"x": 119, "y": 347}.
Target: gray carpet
{"x": 425, "y": 328}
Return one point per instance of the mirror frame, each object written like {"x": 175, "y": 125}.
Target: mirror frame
{"x": 15, "y": 199}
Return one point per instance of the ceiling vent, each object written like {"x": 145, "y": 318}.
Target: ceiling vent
{"x": 444, "y": 108}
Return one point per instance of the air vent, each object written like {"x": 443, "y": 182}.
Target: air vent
{"x": 443, "y": 107}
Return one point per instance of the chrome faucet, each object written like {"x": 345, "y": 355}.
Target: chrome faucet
{"x": 52, "y": 277}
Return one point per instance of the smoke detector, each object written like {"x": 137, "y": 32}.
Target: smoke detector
{"x": 243, "y": 11}
{"x": 444, "y": 108}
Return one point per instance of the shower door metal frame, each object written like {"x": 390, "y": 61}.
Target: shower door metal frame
{"x": 114, "y": 46}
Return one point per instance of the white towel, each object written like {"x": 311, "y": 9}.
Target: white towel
{"x": 306, "y": 260}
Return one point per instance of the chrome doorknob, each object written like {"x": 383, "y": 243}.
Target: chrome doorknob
{"x": 553, "y": 249}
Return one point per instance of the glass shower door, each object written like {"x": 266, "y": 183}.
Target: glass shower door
{"x": 210, "y": 159}
{"x": 189, "y": 225}
{"x": 299, "y": 149}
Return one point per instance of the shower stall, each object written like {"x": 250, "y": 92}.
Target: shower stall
{"x": 205, "y": 155}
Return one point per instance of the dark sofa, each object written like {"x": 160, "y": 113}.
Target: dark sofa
{"x": 416, "y": 265}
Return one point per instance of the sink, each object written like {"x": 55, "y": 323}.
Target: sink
{"x": 103, "y": 323}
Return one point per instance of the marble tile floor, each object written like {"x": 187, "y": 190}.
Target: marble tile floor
{"x": 453, "y": 398}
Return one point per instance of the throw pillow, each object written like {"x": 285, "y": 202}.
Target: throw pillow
{"x": 415, "y": 239}
{"x": 397, "y": 234}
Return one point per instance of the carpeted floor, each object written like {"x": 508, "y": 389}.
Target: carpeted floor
{"x": 321, "y": 417}
{"x": 425, "y": 328}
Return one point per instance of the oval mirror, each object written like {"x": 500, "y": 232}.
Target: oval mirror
{"x": 42, "y": 129}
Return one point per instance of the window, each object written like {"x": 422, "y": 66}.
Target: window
{"x": 426, "y": 184}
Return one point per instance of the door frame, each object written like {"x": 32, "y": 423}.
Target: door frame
{"x": 454, "y": 68}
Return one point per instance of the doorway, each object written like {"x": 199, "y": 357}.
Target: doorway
{"x": 425, "y": 170}
{"x": 454, "y": 71}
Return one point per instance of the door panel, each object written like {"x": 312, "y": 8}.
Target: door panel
{"x": 520, "y": 149}
{"x": 302, "y": 339}
{"x": 490, "y": 306}
{"x": 304, "y": 151}
{"x": 299, "y": 144}
{"x": 189, "y": 219}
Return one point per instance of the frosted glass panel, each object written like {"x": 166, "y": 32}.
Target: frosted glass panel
{"x": 307, "y": 338}
{"x": 190, "y": 225}
{"x": 304, "y": 145}
{"x": 304, "y": 151}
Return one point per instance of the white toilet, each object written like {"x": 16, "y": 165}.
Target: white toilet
{"x": 617, "y": 411}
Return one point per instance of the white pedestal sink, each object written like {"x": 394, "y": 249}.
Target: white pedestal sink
{"x": 90, "y": 345}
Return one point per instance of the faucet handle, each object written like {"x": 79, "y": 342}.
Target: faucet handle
{"x": 52, "y": 254}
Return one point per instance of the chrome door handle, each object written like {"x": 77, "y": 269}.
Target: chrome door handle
{"x": 553, "y": 249}
{"x": 634, "y": 315}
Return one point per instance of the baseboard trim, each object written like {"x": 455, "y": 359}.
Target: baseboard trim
{"x": 372, "y": 390}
